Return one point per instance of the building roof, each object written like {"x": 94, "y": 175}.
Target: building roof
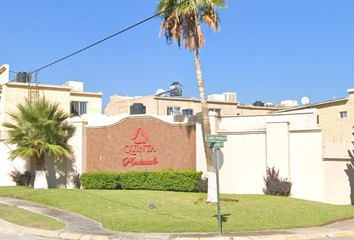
{"x": 316, "y": 105}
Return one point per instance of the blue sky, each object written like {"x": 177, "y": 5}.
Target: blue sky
{"x": 270, "y": 50}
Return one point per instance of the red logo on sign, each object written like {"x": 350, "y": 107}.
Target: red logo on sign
{"x": 142, "y": 133}
{"x": 139, "y": 138}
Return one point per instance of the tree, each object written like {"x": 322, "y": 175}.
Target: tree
{"x": 39, "y": 129}
{"x": 183, "y": 23}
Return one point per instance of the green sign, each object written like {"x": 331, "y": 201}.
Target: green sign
{"x": 215, "y": 138}
{"x": 216, "y": 144}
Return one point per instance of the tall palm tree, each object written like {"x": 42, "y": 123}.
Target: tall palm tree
{"x": 39, "y": 129}
{"x": 183, "y": 23}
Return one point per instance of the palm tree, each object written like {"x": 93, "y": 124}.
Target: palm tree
{"x": 182, "y": 23}
{"x": 39, "y": 129}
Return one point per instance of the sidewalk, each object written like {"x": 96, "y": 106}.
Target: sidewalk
{"x": 81, "y": 228}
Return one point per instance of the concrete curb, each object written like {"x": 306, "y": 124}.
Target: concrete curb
{"x": 82, "y": 236}
{"x": 349, "y": 233}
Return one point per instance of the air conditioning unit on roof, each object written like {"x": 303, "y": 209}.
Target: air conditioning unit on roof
{"x": 230, "y": 96}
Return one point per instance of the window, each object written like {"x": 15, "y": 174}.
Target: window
{"x": 216, "y": 110}
{"x": 187, "y": 111}
{"x": 173, "y": 110}
{"x": 78, "y": 108}
{"x": 343, "y": 114}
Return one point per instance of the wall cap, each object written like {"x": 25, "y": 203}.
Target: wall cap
{"x": 337, "y": 158}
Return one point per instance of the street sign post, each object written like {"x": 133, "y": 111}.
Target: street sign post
{"x": 217, "y": 142}
{"x": 218, "y": 161}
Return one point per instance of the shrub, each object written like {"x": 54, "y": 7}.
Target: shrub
{"x": 276, "y": 185}
{"x": 75, "y": 179}
{"x": 101, "y": 180}
{"x": 165, "y": 180}
{"x": 279, "y": 188}
{"x": 22, "y": 179}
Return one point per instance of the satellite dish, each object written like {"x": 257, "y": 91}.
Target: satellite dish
{"x": 159, "y": 91}
{"x": 305, "y": 100}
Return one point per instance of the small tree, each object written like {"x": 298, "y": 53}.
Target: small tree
{"x": 39, "y": 129}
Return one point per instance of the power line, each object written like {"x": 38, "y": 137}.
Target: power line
{"x": 30, "y": 20}
{"x": 105, "y": 39}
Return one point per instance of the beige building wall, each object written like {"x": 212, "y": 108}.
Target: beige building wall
{"x": 16, "y": 93}
{"x": 94, "y": 101}
{"x": 60, "y": 170}
{"x": 337, "y": 131}
{"x": 157, "y": 105}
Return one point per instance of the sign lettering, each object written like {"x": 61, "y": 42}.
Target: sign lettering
{"x": 139, "y": 138}
{"x": 215, "y": 138}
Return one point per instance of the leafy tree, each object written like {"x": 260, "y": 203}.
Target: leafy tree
{"x": 183, "y": 22}
{"x": 39, "y": 129}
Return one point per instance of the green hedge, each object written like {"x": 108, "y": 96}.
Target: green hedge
{"x": 101, "y": 180}
{"x": 165, "y": 180}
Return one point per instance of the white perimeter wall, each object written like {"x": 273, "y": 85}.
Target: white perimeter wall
{"x": 7, "y": 166}
{"x": 244, "y": 164}
{"x": 339, "y": 181}
{"x": 306, "y": 165}
{"x": 289, "y": 142}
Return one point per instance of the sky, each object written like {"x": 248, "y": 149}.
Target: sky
{"x": 266, "y": 50}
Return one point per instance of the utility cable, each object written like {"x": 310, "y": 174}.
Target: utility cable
{"x": 30, "y": 20}
{"x": 105, "y": 39}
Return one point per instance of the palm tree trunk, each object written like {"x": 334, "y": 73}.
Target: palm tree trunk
{"x": 212, "y": 194}
{"x": 40, "y": 179}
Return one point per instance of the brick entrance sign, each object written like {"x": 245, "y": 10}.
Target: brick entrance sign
{"x": 141, "y": 143}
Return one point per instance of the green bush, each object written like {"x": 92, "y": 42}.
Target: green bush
{"x": 101, "y": 180}
{"x": 165, "y": 180}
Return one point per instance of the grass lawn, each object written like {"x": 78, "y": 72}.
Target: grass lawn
{"x": 128, "y": 210}
{"x": 28, "y": 219}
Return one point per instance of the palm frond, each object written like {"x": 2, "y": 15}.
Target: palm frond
{"x": 182, "y": 22}
{"x": 39, "y": 129}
